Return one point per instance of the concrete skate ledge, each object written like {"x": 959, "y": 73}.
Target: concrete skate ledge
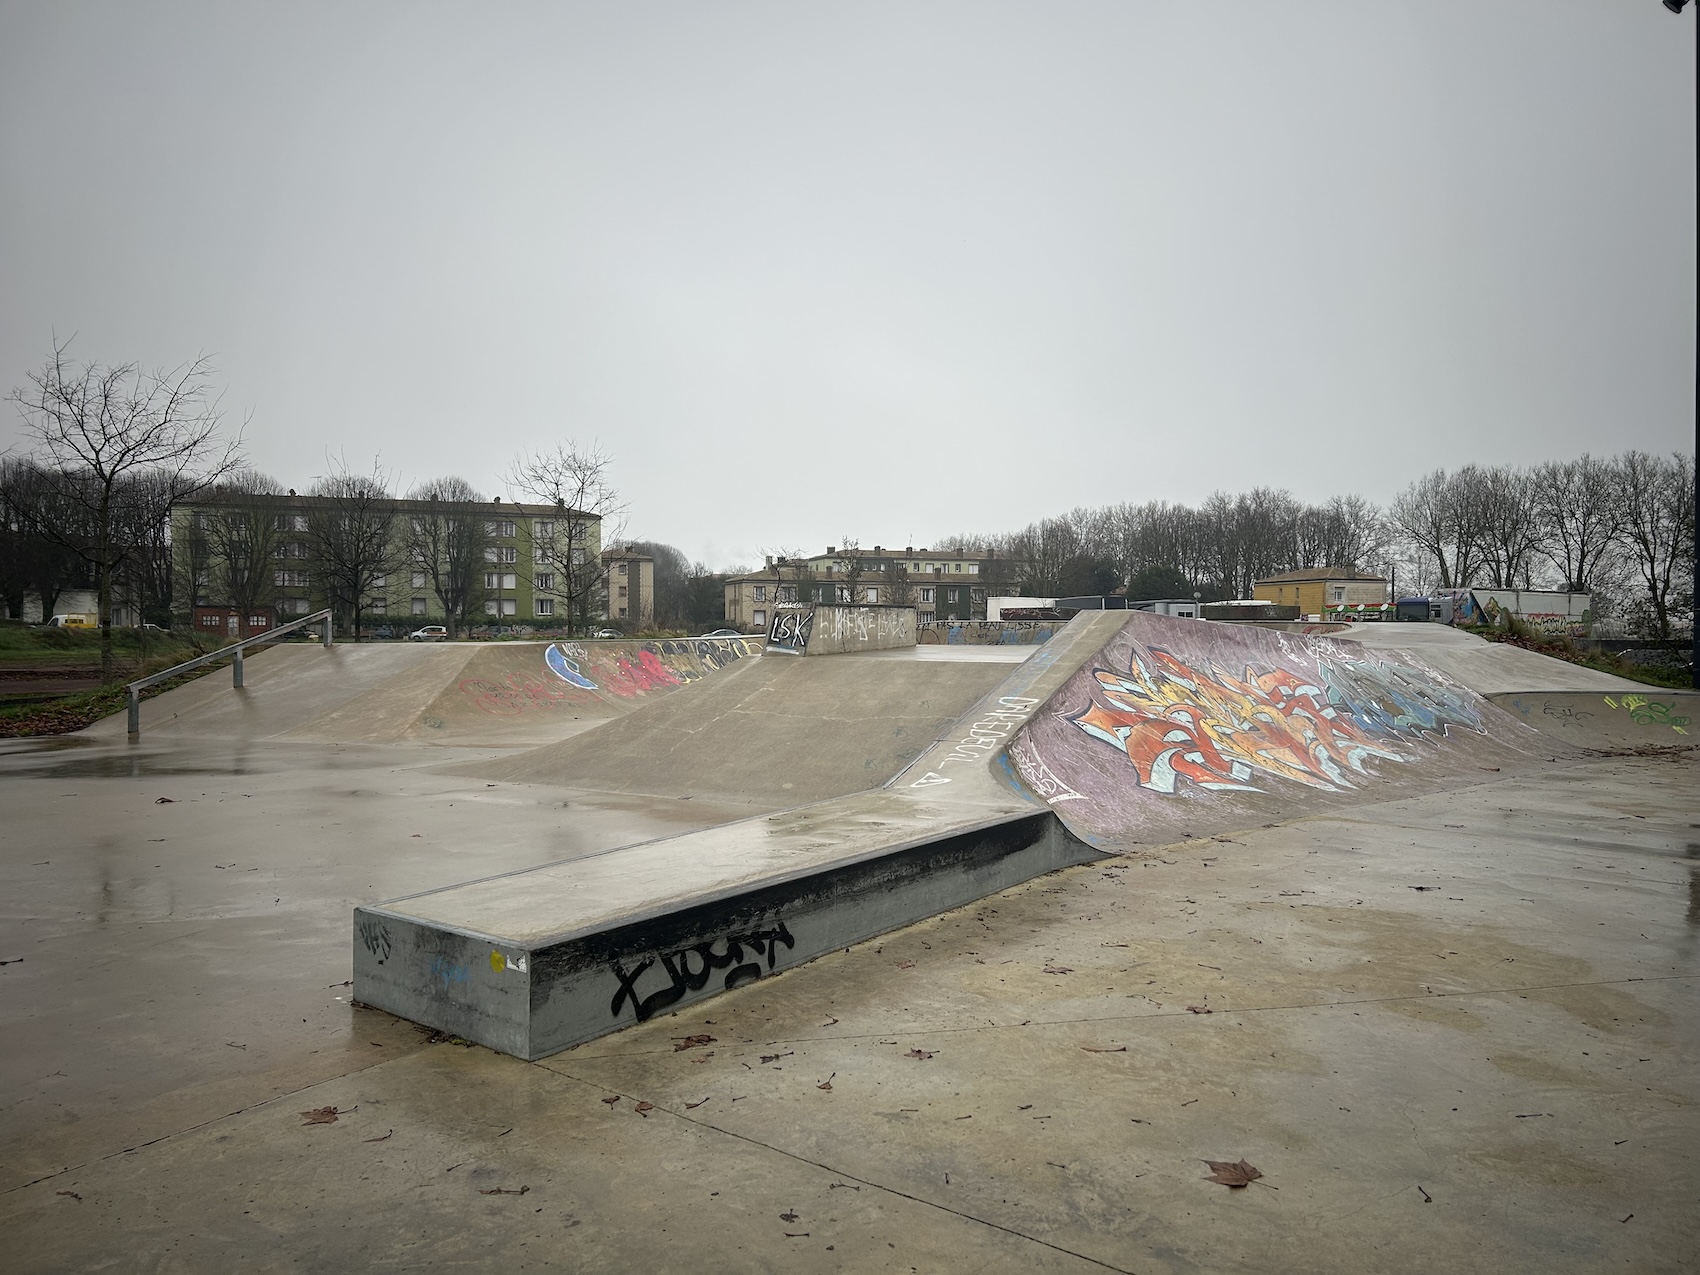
{"x": 593, "y": 945}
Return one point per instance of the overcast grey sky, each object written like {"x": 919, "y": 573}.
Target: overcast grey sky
{"x": 883, "y": 271}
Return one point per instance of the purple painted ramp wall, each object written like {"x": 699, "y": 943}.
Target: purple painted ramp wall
{"x": 1180, "y": 728}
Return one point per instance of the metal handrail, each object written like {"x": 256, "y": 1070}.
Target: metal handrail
{"x": 136, "y": 688}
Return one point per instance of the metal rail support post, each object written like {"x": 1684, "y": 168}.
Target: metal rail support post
{"x": 135, "y": 713}
{"x": 236, "y": 670}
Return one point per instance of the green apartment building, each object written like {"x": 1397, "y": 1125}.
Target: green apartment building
{"x": 250, "y": 561}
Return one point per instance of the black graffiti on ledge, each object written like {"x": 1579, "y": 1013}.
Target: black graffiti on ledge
{"x": 682, "y": 978}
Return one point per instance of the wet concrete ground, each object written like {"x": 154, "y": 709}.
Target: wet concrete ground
{"x": 1456, "y": 1032}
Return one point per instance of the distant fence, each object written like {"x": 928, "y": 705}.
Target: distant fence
{"x": 986, "y": 632}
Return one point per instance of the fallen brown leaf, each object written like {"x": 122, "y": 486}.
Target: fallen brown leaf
{"x": 692, "y": 1106}
{"x": 1233, "y": 1173}
{"x": 767, "y": 1058}
{"x": 827, "y": 1083}
{"x": 922, "y": 1054}
{"x": 612, "y": 1100}
{"x": 1199, "y": 1009}
{"x": 1105, "y": 1049}
{"x": 788, "y": 1216}
{"x": 322, "y": 1115}
{"x": 643, "y": 1108}
{"x": 72, "y": 1194}
{"x": 1058, "y": 969}
{"x": 502, "y": 1190}
{"x": 385, "y": 1138}
{"x": 683, "y": 1043}
{"x": 906, "y": 965}
{"x": 163, "y": 801}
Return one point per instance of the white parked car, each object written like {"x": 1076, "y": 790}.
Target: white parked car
{"x": 430, "y": 633}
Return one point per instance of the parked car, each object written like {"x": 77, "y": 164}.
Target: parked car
{"x": 721, "y": 633}
{"x": 607, "y": 633}
{"x": 73, "y": 620}
{"x": 430, "y": 633}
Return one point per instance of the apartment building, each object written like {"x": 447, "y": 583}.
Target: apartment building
{"x": 293, "y": 555}
{"x": 939, "y": 584}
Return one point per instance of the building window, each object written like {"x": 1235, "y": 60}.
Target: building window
{"x": 873, "y": 596}
{"x": 976, "y": 595}
{"x": 761, "y": 593}
{"x": 786, "y": 593}
{"x": 926, "y": 595}
{"x": 542, "y": 530}
{"x": 544, "y": 580}
{"x": 418, "y": 579}
{"x": 419, "y": 606}
{"x": 290, "y": 579}
{"x": 510, "y": 606}
{"x": 501, "y": 527}
{"x": 259, "y": 622}
{"x": 955, "y": 596}
{"x": 622, "y": 568}
{"x": 761, "y": 619}
{"x": 377, "y": 606}
{"x": 545, "y": 606}
{"x": 380, "y": 581}
{"x": 540, "y": 553}
{"x": 925, "y": 617}
{"x": 844, "y": 593}
{"x": 622, "y": 590}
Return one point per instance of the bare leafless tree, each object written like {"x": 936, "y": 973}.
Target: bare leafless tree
{"x": 446, "y": 544}
{"x": 1580, "y": 515}
{"x": 96, "y": 427}
{"x": 577, "y": 483}
{"x": 351, "y": 533}
{"x": 1656, "y": 495}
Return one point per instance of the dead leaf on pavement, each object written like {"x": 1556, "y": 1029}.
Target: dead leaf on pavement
{"x": 683, "y": 1043}
{"x": 502, "y": 1190}
{"x": 385, "y": 1138}
{"x": 644, "y": 1108}
{"x": 1233, "y": 1173}
{"x": 72, "y": 1194}
{"x": 1105, "y": 1049}
{"x": 922, "y": 1054}
{"x": 788, "y": 1216}
{"x": 767, "y": 1058}
{"x": 827, "y": 1083}
{"x": 1199, "y": 1009}
{"x": 612, "y": 1100}
{"x": 163, "y": 801}
{"x": 1058, "y": 969}
{"x": 323, "y": 1115}
{"x": 692, "y": 1106}
{"x": 906, "y": 965}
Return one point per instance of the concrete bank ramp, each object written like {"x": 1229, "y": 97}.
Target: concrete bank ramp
{"x": 1647, "y": 717}
{"x": 1488, "y": 668}
{"x": 773, "y": 732}
{"x": 1178, "y": 729}
{"x": 494, "y": 694}
{"x": 529, "y": 693}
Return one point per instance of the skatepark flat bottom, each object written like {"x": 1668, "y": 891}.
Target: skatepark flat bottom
{"x": 1457, "y": 1032}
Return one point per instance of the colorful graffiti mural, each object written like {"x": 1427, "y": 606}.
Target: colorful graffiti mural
{"x": 1229, "y": 733}
{"x": 579, "y": 674}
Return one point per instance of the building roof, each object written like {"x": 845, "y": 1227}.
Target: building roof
{"x": 256, "y": 500}
{"x": 1311, "y": 575}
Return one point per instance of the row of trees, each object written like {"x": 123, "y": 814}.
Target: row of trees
{"x": 1621, "y": 528}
